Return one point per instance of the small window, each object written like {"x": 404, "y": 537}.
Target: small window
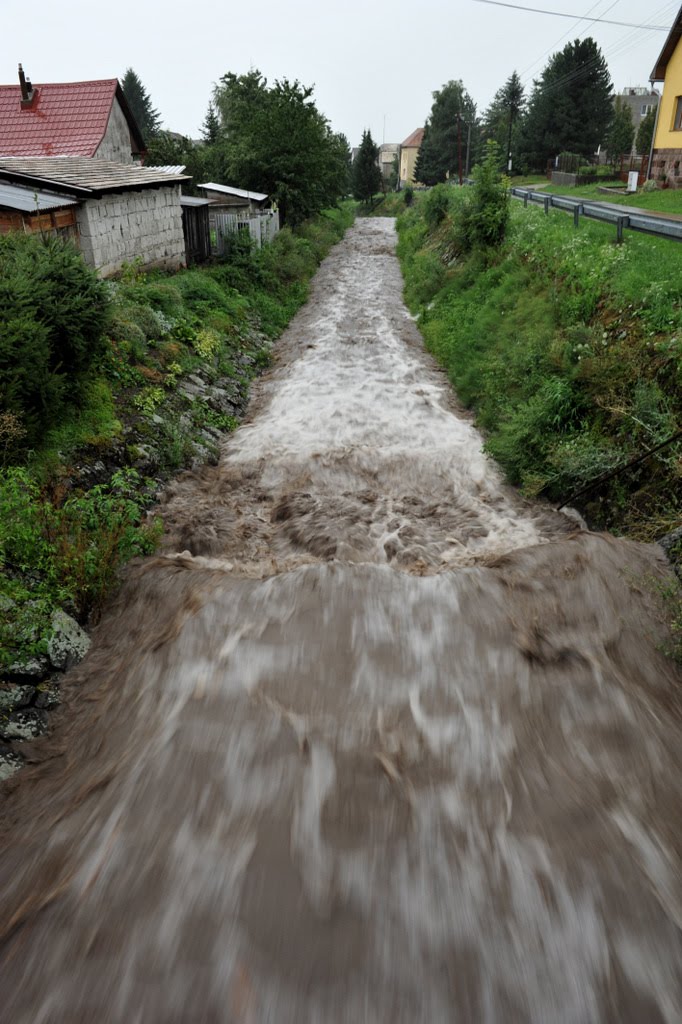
{"x": 677, "y": 123}
{"x": 646, "y": 107}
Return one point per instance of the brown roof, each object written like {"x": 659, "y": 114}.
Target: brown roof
{"x": 415, "y": 139}
{"x": 658, "y": 74}
{"x": 84, "y": 175}
{"x": 64, "y": 119}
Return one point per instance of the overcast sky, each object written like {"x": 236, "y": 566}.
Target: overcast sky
{"x": 373, "y": 64}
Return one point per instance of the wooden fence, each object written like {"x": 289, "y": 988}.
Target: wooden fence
{"x": 262, "y": 227}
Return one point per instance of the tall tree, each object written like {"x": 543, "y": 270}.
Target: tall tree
{"x": 139, "y": 101}
{"x": 210, "y": 130}
{"x": 570, "y": 108}
{"x": 621, "y": 133}
{"x": 445, "y": 138}
{"x": 275, "y": 140}
{"x": 645, "y": 133}
{"x": 366, "y": 170}
{"x": 501, "y": 121}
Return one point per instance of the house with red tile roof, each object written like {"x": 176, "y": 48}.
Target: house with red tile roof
{"x": 408, "y": 156}
{"x": 81, "y": 119}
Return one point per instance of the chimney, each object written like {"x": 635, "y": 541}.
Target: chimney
{"x": 27, "y": 92}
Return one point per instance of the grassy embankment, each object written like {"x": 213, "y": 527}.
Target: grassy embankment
{"x": 658, "y": 200}
{"x": 569, "y": 349}
{"x": 75, "y": 486}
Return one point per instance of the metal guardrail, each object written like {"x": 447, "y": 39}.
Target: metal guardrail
{"x": 659, "y": 226}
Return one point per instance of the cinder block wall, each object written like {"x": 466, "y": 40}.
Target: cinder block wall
{"x": 116, "y": 143}
{"x": 119, "y": 227}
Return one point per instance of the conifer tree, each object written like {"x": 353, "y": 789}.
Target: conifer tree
{"x": 439, "y": 152}
{"x": 501, "y": 121}
{"x": 210, "y": 131}
{"x": 645, "y": 133}
{"x": 621, "y": 133}
{"x": 366, "y": 171}
{"x": 570, "y": 109}
{"x": 148, "y": 119}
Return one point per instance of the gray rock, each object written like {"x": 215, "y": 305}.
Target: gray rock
{"x": 32, "y": 668}
{"x": 158, "y": 420}
{"x": 15, "y": 695}
{"x": 48, "y": 697}
{"x": 190, "y": 391}
{"x": 196, "y": 379}
{"x": 10, "y": 762}
{"x": 69, "y": 643}
{"x": 25, "y": 724}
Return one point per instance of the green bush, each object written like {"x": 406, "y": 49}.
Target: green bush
{"x": 152, "y": 292}
{"x": 53, "y": 310}
{"x": 485, "y": 215}
{"x": 201, "y": 292}
{"x": 435, "y": 205}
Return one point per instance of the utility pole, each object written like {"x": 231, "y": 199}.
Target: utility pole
{"x": 509, "y": 141}
{"x": 467, "y": 169}
{"x": 459, "y": 147}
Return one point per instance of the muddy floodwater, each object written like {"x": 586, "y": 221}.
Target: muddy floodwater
{"x": 370, "y": 740}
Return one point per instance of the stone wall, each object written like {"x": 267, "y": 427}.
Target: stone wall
{"x": 120, "y": 227}
{"x": 116, "y": 144}
{"x": 666, "y": 167}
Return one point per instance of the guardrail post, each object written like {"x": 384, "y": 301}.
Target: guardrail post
{"x": 576, "y": 215}
{"x": 525, "y": 199}
{"x": 546, "y": 200}
{"x": 621, "y": 223}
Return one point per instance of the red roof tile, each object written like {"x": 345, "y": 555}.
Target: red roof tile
{"x": 65, "y": 118}
{"x": 415, "y": 139}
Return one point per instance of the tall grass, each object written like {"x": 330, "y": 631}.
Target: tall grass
{"x": 568, "y": 348}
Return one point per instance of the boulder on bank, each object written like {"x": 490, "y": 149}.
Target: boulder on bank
{"x": 68, "y": 644}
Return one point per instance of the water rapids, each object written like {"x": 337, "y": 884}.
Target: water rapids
{"x": 370, "y": 740}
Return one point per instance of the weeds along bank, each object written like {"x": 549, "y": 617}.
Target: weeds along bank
{"x": 567, "y": 346}
{"x": 106, "y": 389}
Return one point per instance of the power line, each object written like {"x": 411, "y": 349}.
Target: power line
{"x": 562, "y": 14}
{"x": 562, "y": 37}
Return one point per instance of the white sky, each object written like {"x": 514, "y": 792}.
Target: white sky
{"x": 372, "y": 63}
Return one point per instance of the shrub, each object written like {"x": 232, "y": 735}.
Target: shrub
{"x": 435, "y": 205}
{"x": 200, "y": 291}
{"x": 157, "y": 294}
{"x": 485, "y": 215}
{"x": 53, "y": 310}
{"x": 408, "y": 195}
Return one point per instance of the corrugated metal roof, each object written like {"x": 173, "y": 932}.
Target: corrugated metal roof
{"x": 17, "y": 197}
{"x": 167, "y": 168}
{"x": 193, "y": 201}
{"x": 84, "y": 173}
{"x": 230, "y": 191}
{"x": 64, "y": 119}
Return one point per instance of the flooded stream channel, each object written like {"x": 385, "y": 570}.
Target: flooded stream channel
{"x": 371, "y": 739}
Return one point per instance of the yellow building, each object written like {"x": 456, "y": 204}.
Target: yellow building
{"x": 666, "y": 165}
{"x": 408, "y": 156}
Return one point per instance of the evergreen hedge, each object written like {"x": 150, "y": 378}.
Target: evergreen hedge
{"x": 53, "y": 311}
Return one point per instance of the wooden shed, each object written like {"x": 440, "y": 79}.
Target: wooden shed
{"x": 25, "y": 209}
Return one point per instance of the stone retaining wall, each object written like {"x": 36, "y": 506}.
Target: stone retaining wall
{"x": 667, "y": 163}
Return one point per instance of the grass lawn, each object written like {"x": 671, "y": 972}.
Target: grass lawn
{"x": 529, "y": 179}
{"x": 662, "y": 200}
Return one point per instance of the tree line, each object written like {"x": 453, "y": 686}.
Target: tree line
{"x": 259, "y": 136}
{"x": 568, "y": 109}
